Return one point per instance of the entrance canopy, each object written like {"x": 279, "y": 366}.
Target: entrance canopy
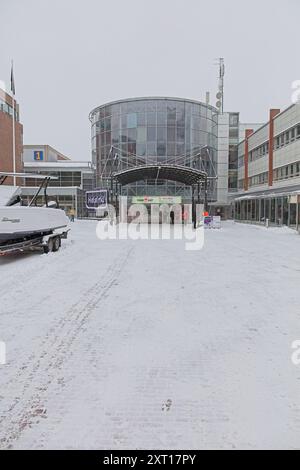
{"x": 181, "y": 174}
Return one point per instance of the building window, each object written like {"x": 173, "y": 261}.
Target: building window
{"x": 233, "y": 120}
{"x": 292, "y": 134}
{"x": 287, "y": 137}
{"x": 131, "y": 120}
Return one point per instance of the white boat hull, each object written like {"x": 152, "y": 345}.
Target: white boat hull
{"x": 22, "y": 222}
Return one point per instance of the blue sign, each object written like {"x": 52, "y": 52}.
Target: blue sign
{"x": 38, "y": 155}
{"x": 97, "y": 199}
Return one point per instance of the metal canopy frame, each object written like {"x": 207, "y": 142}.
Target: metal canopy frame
{"x": 182, "y": 174}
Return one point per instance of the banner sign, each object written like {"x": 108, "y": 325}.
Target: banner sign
{"x": 216, "y": 221}
{"x": 156, "y": 200}
{"x": 38, "y": 155}
{"x": 97, "y": 199}
{"x": 212, "y": 221}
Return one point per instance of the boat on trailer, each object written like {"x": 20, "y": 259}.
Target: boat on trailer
{"x": 24, "y": 226}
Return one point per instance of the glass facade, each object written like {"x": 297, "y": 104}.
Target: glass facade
{"x": 234, "y": 119}
{"x": 153, "y": 130}
{"x": 65, "y": 179}
{"x": 277, "y": 210}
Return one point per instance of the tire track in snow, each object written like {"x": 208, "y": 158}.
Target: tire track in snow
{"x": 40, "y": 369}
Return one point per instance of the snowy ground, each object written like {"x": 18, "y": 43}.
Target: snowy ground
{"x": 141, "y": 344}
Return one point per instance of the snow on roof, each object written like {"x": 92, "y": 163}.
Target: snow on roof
{"x": 59, "y": 164}
{"x": 266, "y": 195}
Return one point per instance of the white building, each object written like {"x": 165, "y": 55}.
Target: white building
{"x": 230, "y": 132}
{"x": 73, "y": 178}
{"x": 269, "y": 171}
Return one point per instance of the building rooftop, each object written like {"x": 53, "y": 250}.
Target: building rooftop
{"x": 60, "y": 164}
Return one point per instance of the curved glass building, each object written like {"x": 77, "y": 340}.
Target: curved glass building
{"x": 138, "y": 131}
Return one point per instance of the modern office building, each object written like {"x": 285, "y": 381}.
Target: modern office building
{"x": 6, "y": 135}
{"x": 160, "y": 130}
{"x": 73, "y": 178}
{"x": 269, "y": 171}
{"x": 42, "y": 153}
{"x": 140, "y": 131}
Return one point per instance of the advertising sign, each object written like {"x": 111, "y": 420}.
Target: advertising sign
{"x": 216, "y": 221}
{"x": 212, "y": 221}
{"x": 97, "y": 199}
{"x": 208, "y": 221}
{"x": 156, "y": 200}
{"x": 38, "y": 155}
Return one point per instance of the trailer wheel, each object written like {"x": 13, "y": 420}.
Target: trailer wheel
{"x": 49, "y": 247}
{"x": 56, "y": 244}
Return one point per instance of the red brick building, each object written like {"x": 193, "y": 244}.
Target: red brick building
{"x": 6, "y": 135}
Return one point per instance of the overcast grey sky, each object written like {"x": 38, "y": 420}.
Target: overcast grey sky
{"x": 71, "y": 56}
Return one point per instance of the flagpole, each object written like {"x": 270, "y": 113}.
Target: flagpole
{"x": 14, "y": 126}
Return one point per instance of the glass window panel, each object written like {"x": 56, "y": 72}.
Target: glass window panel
{"x": 124, "y": 121}
{"x": 161, "y": 134}
{"x": 131, "y": 120}
{"x": 115, "y": 136}
{"x": 116, "y": 109}
{"x": 196, "y": 122}
{"x": 141, "y": 134}
{"x": 171, "y": 107}
{"x": 132, "y": 134}
{"x": 180, "y": 134}
{"x": 180, "y": 149}
{"x": 161, "y": 119}
{"x": 108, "y": 138}
{"x": 124, "y": 107}
{"x": 171, "y": 134}
{"x": 132, "y": 148}
{"x": 196, "y": 109}
{"x": 141, "y": 149}
{"x": 180, "y": 107}
{"x": 233, "y": 120}
{"x": 161, "y": 148}
{"x": 171, "y": 149}
{"x": 151, "y": 149}
{"x": 151, "y": 119}
{"x": 233, "y": 133}
{"x": 141, "y": 119}
{"x": 196, "y": 137}
{"x": 131, "y": 107}
{"x": 171, "y": 117}
{"x": 115, "y": 121}
{"x": 181, "y": 120}
{"x": 108, "y": 111}
{"x": 151, "y": 133}
{"x": 151, "y": 106}
{"x": 124, "y": 135}
{"x": 140, "y": 106}
{"x": 161, "y": 105}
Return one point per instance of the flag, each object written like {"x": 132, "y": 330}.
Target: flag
{"x": 12, "y": 80}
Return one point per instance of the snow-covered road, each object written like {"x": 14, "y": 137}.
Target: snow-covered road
{"x": 141, "y": 344}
